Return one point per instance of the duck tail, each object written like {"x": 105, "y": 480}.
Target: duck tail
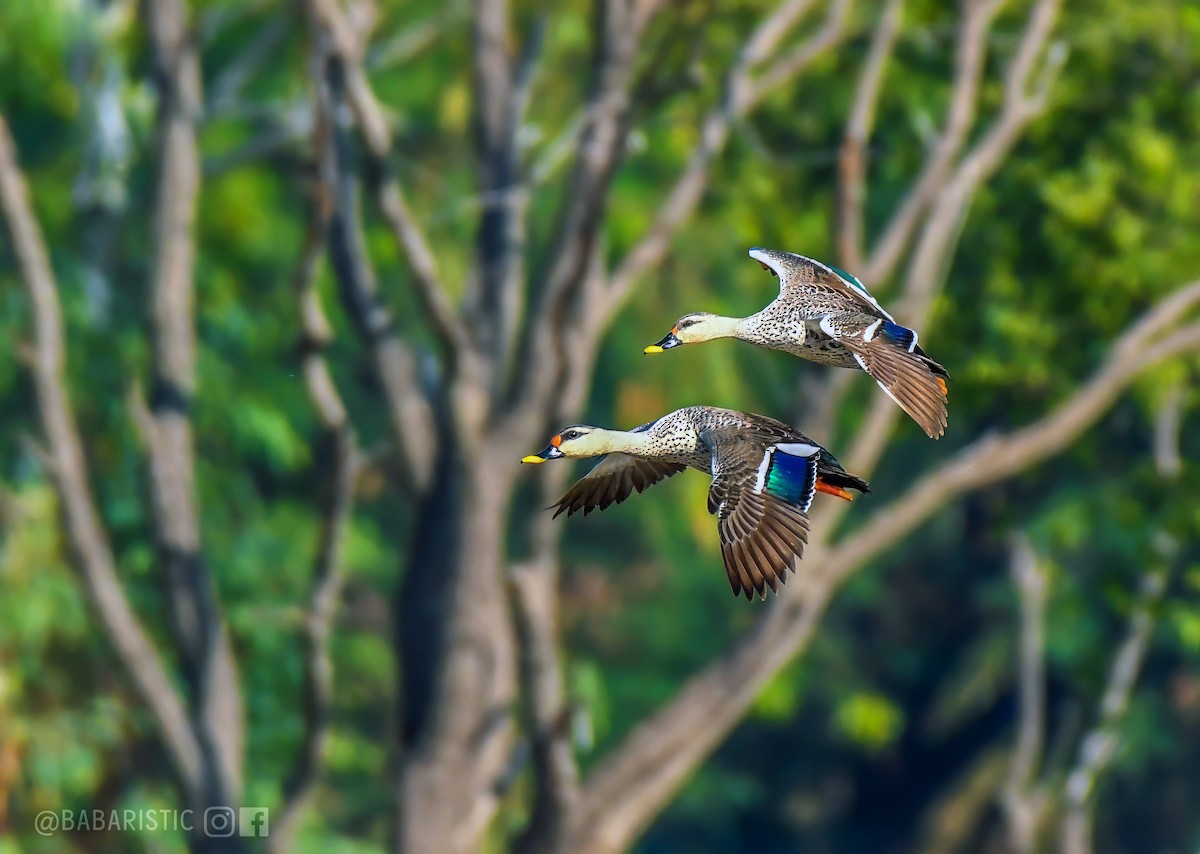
{"x": 838, "y": 482}
{"x": 889, "y": 353}
{"x": 934, "y": 367}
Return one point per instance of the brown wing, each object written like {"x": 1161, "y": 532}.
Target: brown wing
{"x": 824, "y": 289}
{"x": 612, "y": 481}
{"x": 904, "y": 375}
{"x": 762, "y": 535}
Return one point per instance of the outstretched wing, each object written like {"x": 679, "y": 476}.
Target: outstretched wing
{"x": 822, "y": 287}
{"x": 760, "y": 494}
{"x": 612, "y": 481}
{"x": 889, "y": 353}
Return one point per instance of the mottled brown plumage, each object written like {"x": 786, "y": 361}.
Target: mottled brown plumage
{"x": 827, "y": 316}
{"x": 764, "y": 476}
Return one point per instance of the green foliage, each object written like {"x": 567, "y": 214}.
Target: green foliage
{"x": 911, "y": 675}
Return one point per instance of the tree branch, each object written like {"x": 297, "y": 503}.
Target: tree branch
{"x": 407, "y": 43}
{"x": 409, "y": 409}
{"x": 339, "y": 443}
{"x": 1021, "y": 106}
{"x": 964, "y": 99}
{"x": 534, "y": 587}
{"x": 566, "y": 282}
{"x": 633, "y": 784}
{"x": 167, "y": 430}
{"x": 242, "y": 68}
{"x": 503, "y": 82}
{"x": 90, "y": 550}
{"x": 534, "y": 590}
{"x": 740, "y": 95}
{"x": 1022, "y": 800}
{"x": 327, "y": 16}
{"x": 927, "y": 272}
{"x": 791, "y": 64}
{"x": 1099, "y": 746}
{"x": 852, "y": 158}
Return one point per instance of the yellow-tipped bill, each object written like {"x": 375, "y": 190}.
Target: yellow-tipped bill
{"x": 669, "y": 340}
{"x": 550, "y": 452}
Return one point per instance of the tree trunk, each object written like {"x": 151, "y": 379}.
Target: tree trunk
{"x": 457, "y": 657}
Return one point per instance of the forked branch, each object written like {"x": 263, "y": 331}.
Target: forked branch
{"x": 166, "y": 426}
{"x": 926, "y": 274}
{"x": 974, "y": 29}
{"x": 338, "y": 442}
{"x": 852, "y": 158}
{"x": 346, "y": 43}
{"x": 88, "y": 541}
{"x": 741, "y": 94}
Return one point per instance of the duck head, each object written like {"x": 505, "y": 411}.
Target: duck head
{"x": 576, "y": 441}
{"x": 694, "y": 328}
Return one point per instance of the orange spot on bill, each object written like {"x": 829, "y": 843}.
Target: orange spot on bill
{"x": 556, "y": 441}
{"x": 822, "y": 486}
{"x": 674, "y": 330}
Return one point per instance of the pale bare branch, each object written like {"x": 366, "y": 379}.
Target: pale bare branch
{"x": 1021, "y": 106}
{"x": 789, "y": 66}
{"x": 1167, "y": 423}
{"x": 197, "y": 622}
{"x": 90, "y": 550}
{"x": 339, "y": 443}
{"x": 407, "y": 43}
{"x": 1099, "y": 746}
{"x": 601, "y": 145}
{"x": 974, "y": 29}
{"x": 534, "y": 587}
{"x": 328, "y": 16}
{"x": 852, "y": 158}
{"x": 741, "y": 94}
{"x": 409, "y": 409}
{"x": 1022, "y": 798}
{"x": 927, "y": 271}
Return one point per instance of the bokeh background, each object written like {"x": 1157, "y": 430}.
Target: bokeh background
{"x": 322, "y": 272}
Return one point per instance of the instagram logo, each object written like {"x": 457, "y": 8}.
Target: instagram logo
{"x": 218, "y": 822}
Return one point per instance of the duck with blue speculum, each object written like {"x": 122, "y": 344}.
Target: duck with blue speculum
{"x": 765, "y": 474}
{"x": 827, "y": 316}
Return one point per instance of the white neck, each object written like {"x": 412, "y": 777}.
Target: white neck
{"x": 621, "y": 442}
{"x": 726, "y": 327}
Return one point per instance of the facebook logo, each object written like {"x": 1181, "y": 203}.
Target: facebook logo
{"x": 253, "y": 821}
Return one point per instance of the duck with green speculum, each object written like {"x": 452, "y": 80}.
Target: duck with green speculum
{"x": 827, "y": 316}
{"x": 764, "y": 473}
